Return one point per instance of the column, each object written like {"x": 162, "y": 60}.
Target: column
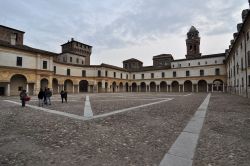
{"x": 78, "y": 89}
{"x": 197, "y": 88}
{"x": 179, "y": 88}
{"x": 149, "y": 88}
{"x": 183, "y": 88}
{"x": 171, "y": 89}
{"x": 223, "y": 87}
{"x": 73, "y": 88}
{"x": 27, "y": 88}
{"x": 167, "y": 88}
{"x": 8, "y": 89}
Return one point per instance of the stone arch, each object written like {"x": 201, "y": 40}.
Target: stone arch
{"x": 55, "y": 85}
{"x": 18, "y": 82}
{"x": 83, "y": 86}
{"x": 68, "y": 86}
{"x": 163, "y": 86}
{"x": 202, "y": 86}
{"x": 188, "y": 86}
{"x": 134, "y": 87}
{"x": 99, "y": 87}
{"x": 121, "y": 87}
{"x": 113, "y": 86}
{"x": 44, "y": 83}
{"x": 143, "y": 87}
{"x": 175, "y": 86}
{"x": 218, "y": 85}
{"x": 152, "y": 86}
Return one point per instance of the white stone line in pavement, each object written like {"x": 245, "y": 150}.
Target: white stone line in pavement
{"x": 50, "y": 111}
{"x": 182, "y": 151}
{"x": 129, "y": 109}
{"x": 87, "y": 108}
{"x": 133, "y": 99}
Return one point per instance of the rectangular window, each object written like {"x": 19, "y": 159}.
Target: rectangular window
{"x": 217, "y": 71}
{"x": 106, "y": 73}
{"x": 249, "y": 80}
{"x": 187, "y": 73}
{"x": 121, "y": 75}
{"x": 179, "y": 65}
{"x": 199, "y": 63}
{"x": 70, "y": 59}
{"x": 162, "y": 75}
{"x": 152, "y": 75}
{"x": 248, "y": 58}
{"x": 99, "y": 73}
{"x": 247, "y": 36}
{"x": 68, "y": 72}
{"x": 174, "y": 73}
{"x": 133, "y": 76}
{"x": 142, "y": 76}
{"x": 83, "y": 73}
{"x": 45, "y": 64}
{"x": 82, "y": 62}
{"x": 114, "y": 74}
{"x": 188, "y": 64}
{"x": 242, "y": 82}
{"x": 241, "y": 64}
{"x": 54, "y": 69}
{"x": 201, "y": 72}
{"x": 77, "y": 60}
{"x": 19, "y": 61}
{"x": 127, "y": 76}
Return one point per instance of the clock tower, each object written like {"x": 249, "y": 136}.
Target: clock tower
{"x": 193, "y": 43}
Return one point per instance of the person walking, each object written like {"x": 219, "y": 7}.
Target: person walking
{"x": 48, "y": 96}
{"x": 66, "y": 96}
{"x": 23, "y": 96}
{"x": 45, "y": 96}
{"x": 40, "y": 97}
{"x": 62, "y": 95}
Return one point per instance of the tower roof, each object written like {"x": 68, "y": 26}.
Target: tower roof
{"x": 193, "y": 29}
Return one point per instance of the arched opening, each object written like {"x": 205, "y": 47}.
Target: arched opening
{"x": 202, "y": 86}
{"x": 83, "y": 86}
{"x": 127, "y": 87}
{"x": 152, "y": 87}
{"x": 106, "y": 87}
{"x": 68, "y": 86}
{"x": 163, "y": 86}
{"x": 18, "y": 83}
{"x": 143, "y": 87}
{"x": 55, "y": 86}
{"x": 99, "y": 85}
{"x": 134, "y": 87}
{"x": 175, "y": 86}
{"x": 188, "y": 86}
{"x": 121, "y": 87}
{"x": 44, "y": 83}
{"x": 114, "y": 87}
{"x": 218, "y": 85}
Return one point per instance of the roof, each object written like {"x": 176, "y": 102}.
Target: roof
{"x": 193, "y": 29}
{"x": 72, "y": 41}
{"x": 27, "y": 48}
{"x": 132, "y": 59}
{"x": 203, "y": 57}
{"x": 163, "y": 56}
{"x": 11, "y": 28}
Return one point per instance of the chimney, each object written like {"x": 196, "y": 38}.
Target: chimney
{"x": 72, "y": 39}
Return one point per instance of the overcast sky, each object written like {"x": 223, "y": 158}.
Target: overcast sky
{"x": 123, "y": 29}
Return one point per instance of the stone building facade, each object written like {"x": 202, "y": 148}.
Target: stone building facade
{"x": 24, "y": 67}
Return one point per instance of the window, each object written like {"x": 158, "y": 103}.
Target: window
{"x": 45, "y": 65}
{"x": 142, "y": 76}
{"x": 127, "y": 76}
{"x": 121, "y": 75}
{"x": 173, "y": 66}
{"x": 19, "y": 61}
{"x": 83, "y": 73}
{"x": 152, "y": 75}
{"x": 187, "y": 73}
{"x": 106, "y": 73}
{"x": 188, "y": 64}
{"x": 68, "y": 72}
{"x": 179, "y": 65}
{"x": 64, "y": 59}
{"x": 174, "y": 73}
{"x": 248, "y": 58}
{"x": 241, "y": 64}
{"x": 217, "y": 71}
{"x": 99, "y": 73}
{"x": 162, "y": 75}
{"x": 54, "y": 69}
{"x": 199, "y": 63}
{"x": 249, "y": 80}
{"x": 201, "y": 72}
{"x": 206, "y": 62}
{"x": 82, "y": 62}
{"x": 237, "y": 68}
{"x": 70, "y": 59}
{"x": 77, "y": 60}
{"x": 114, "y": 74}
{"x": 247, "y": 36}
{"x": 133, "y": 76}
{"x": 242, "y": 82}
{"x": 215, "y": 61}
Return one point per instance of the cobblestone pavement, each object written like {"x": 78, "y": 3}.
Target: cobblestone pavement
{"x": 140, "y": 136}
{"x": 225, "y": 138}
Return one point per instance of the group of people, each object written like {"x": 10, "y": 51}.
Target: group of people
{"x": 44, "y": 97}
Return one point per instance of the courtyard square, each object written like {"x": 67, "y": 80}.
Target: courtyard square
{"x": 123, "y": 129}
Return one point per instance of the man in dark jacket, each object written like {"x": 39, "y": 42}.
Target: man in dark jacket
{"x": 40, "y": 97}
{"x": 62, "y": 95}
{"x": 23, "y": 95}
{"x": 48, "y": 95}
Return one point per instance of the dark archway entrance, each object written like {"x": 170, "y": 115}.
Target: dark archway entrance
{"x": 188, "y": 86}
{"x": 83, "y": 86}
{"x": 202, "y": 86}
